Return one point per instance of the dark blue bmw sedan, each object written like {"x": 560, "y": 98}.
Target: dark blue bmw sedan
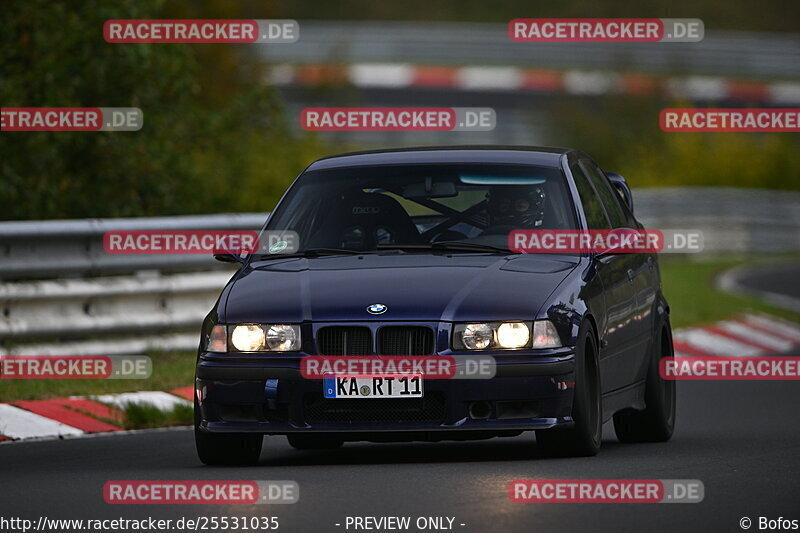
{"x": 407, "y": 253}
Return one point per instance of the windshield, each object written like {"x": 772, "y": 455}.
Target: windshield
{"x": 419, "y": 206}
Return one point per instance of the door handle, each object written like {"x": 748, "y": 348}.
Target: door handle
{"x": 630, "y": 276}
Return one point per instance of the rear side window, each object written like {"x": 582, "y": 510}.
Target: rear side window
{"x": 592, "y": 208}
{"x": 608, "y": 195}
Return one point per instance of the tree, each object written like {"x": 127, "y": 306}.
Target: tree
{"x": 211, "y": 128}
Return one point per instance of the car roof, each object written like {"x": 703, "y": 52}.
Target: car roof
{"x": 528, "y": 155}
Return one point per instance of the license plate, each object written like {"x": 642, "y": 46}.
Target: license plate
{"x": 365, "y": 386}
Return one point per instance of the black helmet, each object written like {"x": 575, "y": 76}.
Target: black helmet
{"x": 517, "y": 206}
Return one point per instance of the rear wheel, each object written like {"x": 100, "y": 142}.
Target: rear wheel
{"x": 314, "y": 442}
{"x": 216, "y": 449}
{"x": 583, "y": 439}
{"x": 657, "y": 422}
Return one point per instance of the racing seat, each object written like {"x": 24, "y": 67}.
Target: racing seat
{"x": 361, "y": 221}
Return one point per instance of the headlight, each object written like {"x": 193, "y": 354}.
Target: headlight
{"x": 248, "y": 338}
{"x": 477, "y": 336}
{"x": 265, "y": 338}
{"x": 505, "y": 335}
{"x": 283, "y": 338}
{"x": 513, "y": 335}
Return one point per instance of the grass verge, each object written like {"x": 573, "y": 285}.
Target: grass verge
{"x": 171, "y": 370}
{"x": 694, "y": 299}
{"x": 140, "y": 416}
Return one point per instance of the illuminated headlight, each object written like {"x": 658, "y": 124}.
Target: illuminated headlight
{"x": 513, "y": 335}
{"x": 505, "y": 335}
{"x": 265, "y": 338}
{"x": 248, "y": 338}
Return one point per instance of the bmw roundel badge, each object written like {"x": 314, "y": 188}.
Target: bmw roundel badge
{"x": 376, "y": 309}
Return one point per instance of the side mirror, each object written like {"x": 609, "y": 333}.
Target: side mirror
{"x": 621, "y": 185}
{"x": 228, "y": 258}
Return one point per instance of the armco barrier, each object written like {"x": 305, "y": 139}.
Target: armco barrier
{"x": 158, "y": 309}
{"x": 56, "y": 248}
{"x": 68, "y": 308}
{"x": 733, "y": 219}
{"x": 720, "y": 53}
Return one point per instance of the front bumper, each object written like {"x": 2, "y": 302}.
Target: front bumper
{"x": 270, "y": 396}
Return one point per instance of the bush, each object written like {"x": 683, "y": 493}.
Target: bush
{"x": 623, "y": 135}
{"x": 214, "y": 137}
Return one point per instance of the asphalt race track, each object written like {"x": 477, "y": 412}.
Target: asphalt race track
{"x": 776, "y": 279}
{"x": 742, "y": 439}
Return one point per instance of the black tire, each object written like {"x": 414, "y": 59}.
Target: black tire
{"x": 303, "y": 441}
{"x": 657, "y": 422}
{"x": 226, "y": 449}
{"x": 584, "y": 438}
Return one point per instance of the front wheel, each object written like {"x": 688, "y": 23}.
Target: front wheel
{"x": 657, "y": 422}
{"x": 228, "y": 449}
{"x": 583, "y": 439}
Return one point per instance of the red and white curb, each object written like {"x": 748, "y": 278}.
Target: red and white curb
{"x": 69, "y": 417}
{"x": 748, "y": 335}
{"x": 504, "y": 78}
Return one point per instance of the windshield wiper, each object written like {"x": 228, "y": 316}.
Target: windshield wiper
{"x": 449, "y": 246}
{"x": 311, "y": 252}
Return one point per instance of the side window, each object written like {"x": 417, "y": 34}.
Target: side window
{"x": 609, "y": 197}
{"x": 595, "y": 215}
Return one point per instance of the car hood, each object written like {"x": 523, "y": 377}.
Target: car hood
{"x": 419, "y": 287}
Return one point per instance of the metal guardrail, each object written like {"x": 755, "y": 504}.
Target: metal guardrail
{"x": 57, "y": 248}
{"x": 732, "y": 219}
{"x": 69, "y": 308}
{"x": 152, "y": 310}
{"x": 737, "y": 54}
